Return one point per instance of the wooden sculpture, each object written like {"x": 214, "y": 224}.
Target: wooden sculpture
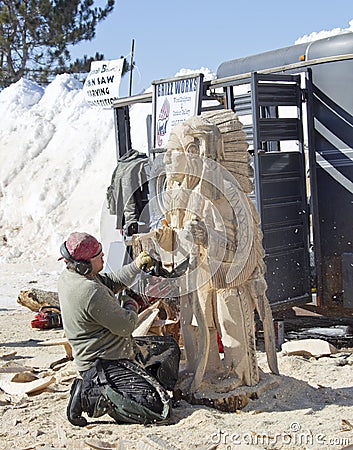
{"x": 210, "y": 221}
{"x": 208, "y": 179}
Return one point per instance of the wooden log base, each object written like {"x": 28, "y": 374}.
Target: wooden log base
{"x": 231, "y": 401}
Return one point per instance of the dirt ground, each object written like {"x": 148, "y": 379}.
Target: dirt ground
{"x": 309, "y": 406}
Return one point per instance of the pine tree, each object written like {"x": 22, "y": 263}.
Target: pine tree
{"x": 35, "y": 36}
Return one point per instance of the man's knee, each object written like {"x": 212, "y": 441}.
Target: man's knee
{"x": 125, "y": 391}
{"x": 93, "y": 400}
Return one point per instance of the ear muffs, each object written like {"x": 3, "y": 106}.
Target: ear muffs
{"x": 81, "y": 266}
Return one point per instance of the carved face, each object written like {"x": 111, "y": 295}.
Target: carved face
{"x": 175, "y": 165}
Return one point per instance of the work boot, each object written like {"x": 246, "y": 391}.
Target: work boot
{"x": 74, "y": 408}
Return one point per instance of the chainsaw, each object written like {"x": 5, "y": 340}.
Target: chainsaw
{"x": 47, "y": 317}
{"x": 157, "y": 283}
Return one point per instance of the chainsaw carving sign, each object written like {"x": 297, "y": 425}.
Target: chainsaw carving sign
{"x": 102, "y": 84}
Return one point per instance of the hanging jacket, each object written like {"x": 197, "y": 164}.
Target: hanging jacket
{"x": 127, "y": 194}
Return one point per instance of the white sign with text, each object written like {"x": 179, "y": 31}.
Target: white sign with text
{"x": 174, "y": 101}
{"x": 102, "y": 84}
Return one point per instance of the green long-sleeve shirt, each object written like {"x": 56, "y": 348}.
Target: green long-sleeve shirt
{"x": 95, "y": 324}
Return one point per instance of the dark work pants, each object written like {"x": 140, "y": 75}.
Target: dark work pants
{"x": 158, "y": 356}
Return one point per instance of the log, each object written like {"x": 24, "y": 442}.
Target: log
{"x": 34, "y": 299}
{"x": 231, "y": 401}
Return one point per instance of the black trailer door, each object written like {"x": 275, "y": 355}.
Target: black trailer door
{"x": 280, "y": 186}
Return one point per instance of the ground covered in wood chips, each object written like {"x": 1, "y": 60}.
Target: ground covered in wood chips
{"x": 309, "y": 406}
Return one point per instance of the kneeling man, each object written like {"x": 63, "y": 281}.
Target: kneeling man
{"x": 129, "y": 378}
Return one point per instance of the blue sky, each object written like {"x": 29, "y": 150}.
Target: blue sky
{"x": 190, "y": 34}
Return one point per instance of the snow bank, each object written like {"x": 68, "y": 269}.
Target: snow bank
{"x": 57, "y": 154}
{"x": 57, "y": 157}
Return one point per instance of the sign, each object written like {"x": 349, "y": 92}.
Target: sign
{"x": 174, "y": 101}
{"x": 102, "y": 84}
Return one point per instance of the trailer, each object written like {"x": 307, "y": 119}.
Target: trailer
{"x": 296, "y": 104}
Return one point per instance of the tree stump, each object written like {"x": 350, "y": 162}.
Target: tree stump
{"x": 230, "y": 400}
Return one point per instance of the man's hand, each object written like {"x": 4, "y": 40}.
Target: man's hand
{"x": 131, "y": 305}
{"x": 198, "y": 232}
{"x": 144, "y": 259}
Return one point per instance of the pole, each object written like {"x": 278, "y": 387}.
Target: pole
{"x": 131, "y": 65}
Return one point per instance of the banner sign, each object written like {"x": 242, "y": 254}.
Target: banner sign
{"x": 174, "y": 101}
{"x": 102, "y": 84}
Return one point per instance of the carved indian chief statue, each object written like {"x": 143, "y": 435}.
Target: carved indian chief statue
{"x": 216, "y": 225}
{"x": 210, "y": 221}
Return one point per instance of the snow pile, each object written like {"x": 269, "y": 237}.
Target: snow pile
{"x": 57, "y": 157}
{"x": 57, "y": 154}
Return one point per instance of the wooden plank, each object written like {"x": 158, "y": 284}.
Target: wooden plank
{"x": 62, "y": 341}
{"x": 31, "y": 387}
{"x": 309, "y": 347}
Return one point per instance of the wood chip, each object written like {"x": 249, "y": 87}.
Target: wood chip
{"x": 347, "y": 425}
{"x": 24, "y": 377}
{"x": 8, "y": 355}
{"x": 308, "y": 347}
{"x": 26, "y": 388}
{"x": 99, "y": 445}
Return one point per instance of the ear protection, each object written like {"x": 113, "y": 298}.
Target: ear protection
{"x": 81, "y": 266}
